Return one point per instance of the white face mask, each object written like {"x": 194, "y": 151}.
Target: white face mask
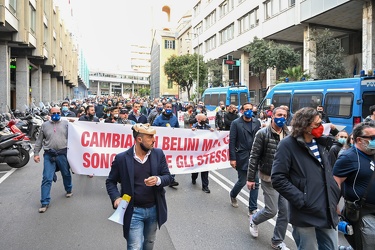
{"x": 115, "y": 115}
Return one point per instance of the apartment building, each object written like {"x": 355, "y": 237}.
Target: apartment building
{"x": 39, "y": 60}
{"x": 224, "y": 28}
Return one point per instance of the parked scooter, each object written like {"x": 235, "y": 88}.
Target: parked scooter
{"x": 12, "y": 151}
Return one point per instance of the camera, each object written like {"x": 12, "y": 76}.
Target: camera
{"x": 345, "y": 228}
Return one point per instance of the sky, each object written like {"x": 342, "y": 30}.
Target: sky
{"x": 106, "y": 29}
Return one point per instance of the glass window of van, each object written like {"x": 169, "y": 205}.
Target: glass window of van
{"x": 339, "y": 104}
{"x": 214, "y": 99}
{"x": 234, "y": 99}
{"x": 281, "y": 99}
{"x": 207, "y": 99}
{"x": 243, "y": 98}
{"x": 223, "y": 97}
{"x": 306, "y": 100}
{"x": 368, "y": 100}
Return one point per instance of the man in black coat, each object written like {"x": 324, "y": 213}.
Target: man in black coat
{"x": 302, "y": 174}
{"x": 241, "y": 137}
{"x": 142, "y": 172}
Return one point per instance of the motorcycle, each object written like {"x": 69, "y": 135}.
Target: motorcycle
{"x": 12, "y": 150}
{"x": 26, "y": 143}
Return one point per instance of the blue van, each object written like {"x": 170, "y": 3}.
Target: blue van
{"x": 236, "y": 95}
{"x": 345, "y": 101}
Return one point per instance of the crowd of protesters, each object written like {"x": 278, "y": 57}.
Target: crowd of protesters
{"x": 301, "y": 171}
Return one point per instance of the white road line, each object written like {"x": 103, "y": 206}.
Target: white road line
{"x": 240, "y": 198}
{"x": 7, "y": 175}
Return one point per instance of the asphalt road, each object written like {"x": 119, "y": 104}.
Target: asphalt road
{"x": 196, "y": 220}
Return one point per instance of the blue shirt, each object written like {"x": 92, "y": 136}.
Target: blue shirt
{"x": 356, "y": 166}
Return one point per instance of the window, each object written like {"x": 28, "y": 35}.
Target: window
{"x": 46, "y": 36}
{"x": 198, "y": 29}
{"x": 306, "y": 100}
{"x": 338, "y": 104}
{"x": 244, "y": 97}
{"x": 211, "y": 43}
{"x": 214, "y": 99}
{"x": 210, "y": 19}
{"x": 226, "y": 7}
{"x": 368, "y": 100}
{"x": 32, "y": 19}
{"x": 273, "y": 7}
{"x": 227, "y": 34}
{"x": 281, "y": 99}
{"x": 13, "y": 6}
{"x": 170, "y": 84}
{"x": 207, "y": 99}
{"x": 223, "y": 98}
{"x": 248, "y": 21}
{"x": 197, "y": 9}
{"x": 234, "y": 99}
{"x": 169, "y": 44}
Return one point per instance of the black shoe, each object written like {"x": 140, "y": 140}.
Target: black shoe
{"x": 206, "y": 190}
{"x": 174, "y": 183}
{"x": 194, "y": 182}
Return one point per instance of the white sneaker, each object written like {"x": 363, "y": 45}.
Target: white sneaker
{"x": 253, "y": 229}
{"x": 280, "y": 246}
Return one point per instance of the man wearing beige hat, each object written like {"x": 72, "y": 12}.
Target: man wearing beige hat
{"x": 143, "y": 172}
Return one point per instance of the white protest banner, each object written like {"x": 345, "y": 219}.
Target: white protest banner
{"x": 93, "y": 146}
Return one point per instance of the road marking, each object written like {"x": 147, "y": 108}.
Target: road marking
{"x": 240, "y": 198}
{"x": 7, "y": 175}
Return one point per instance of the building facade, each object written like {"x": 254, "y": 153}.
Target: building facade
{"x": 38, "y": 56}
{"x": 125, "y": 84}
{"x": 225, "y": 27}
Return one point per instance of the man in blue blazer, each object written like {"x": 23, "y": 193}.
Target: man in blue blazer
{"x": 241, "y": 137}
{"x": 143, "y": 173}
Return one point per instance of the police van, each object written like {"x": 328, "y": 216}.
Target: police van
{"x": 236, "y": 95}
{"x": 345, "y": 101}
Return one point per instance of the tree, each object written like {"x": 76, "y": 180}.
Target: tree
{"x": 183, "y": 70}
{"x": 329, "y": 63}
{"x": 215, "y": 74}
{"x": 265, "y": 55}
{"x": 144, "y": 92}
{"x": 294, "y": 74}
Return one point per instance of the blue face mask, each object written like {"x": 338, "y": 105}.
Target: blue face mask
{"x": 248, "y": 114}
{"x": 168, "y": 111}
{"x": 160, "y": 109}
{"x": 198, "y": 111}
{"x": 55, "y": 117}
{"x": 279, "y": 121}
{"x": 371, "y": 144}
{"x": 64, "y": 109}
{"x": 342, "y": 141}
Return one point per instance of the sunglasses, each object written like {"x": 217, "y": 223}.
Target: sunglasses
{"x": 372, "y": 137}
{"x": 56, "y": 113}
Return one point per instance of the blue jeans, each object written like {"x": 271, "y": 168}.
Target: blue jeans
{"x": 50, "y": 164}
{"x": 241, "y": 182}
{"x": 311, "y": 238}
{"x": 274, "y": 204}
{"x": 142, "y": 233}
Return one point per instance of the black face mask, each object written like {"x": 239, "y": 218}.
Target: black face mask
{"x": 143, "y": 147}
{"x": 255, "y": 112}
{"x": 222, "y": 108}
